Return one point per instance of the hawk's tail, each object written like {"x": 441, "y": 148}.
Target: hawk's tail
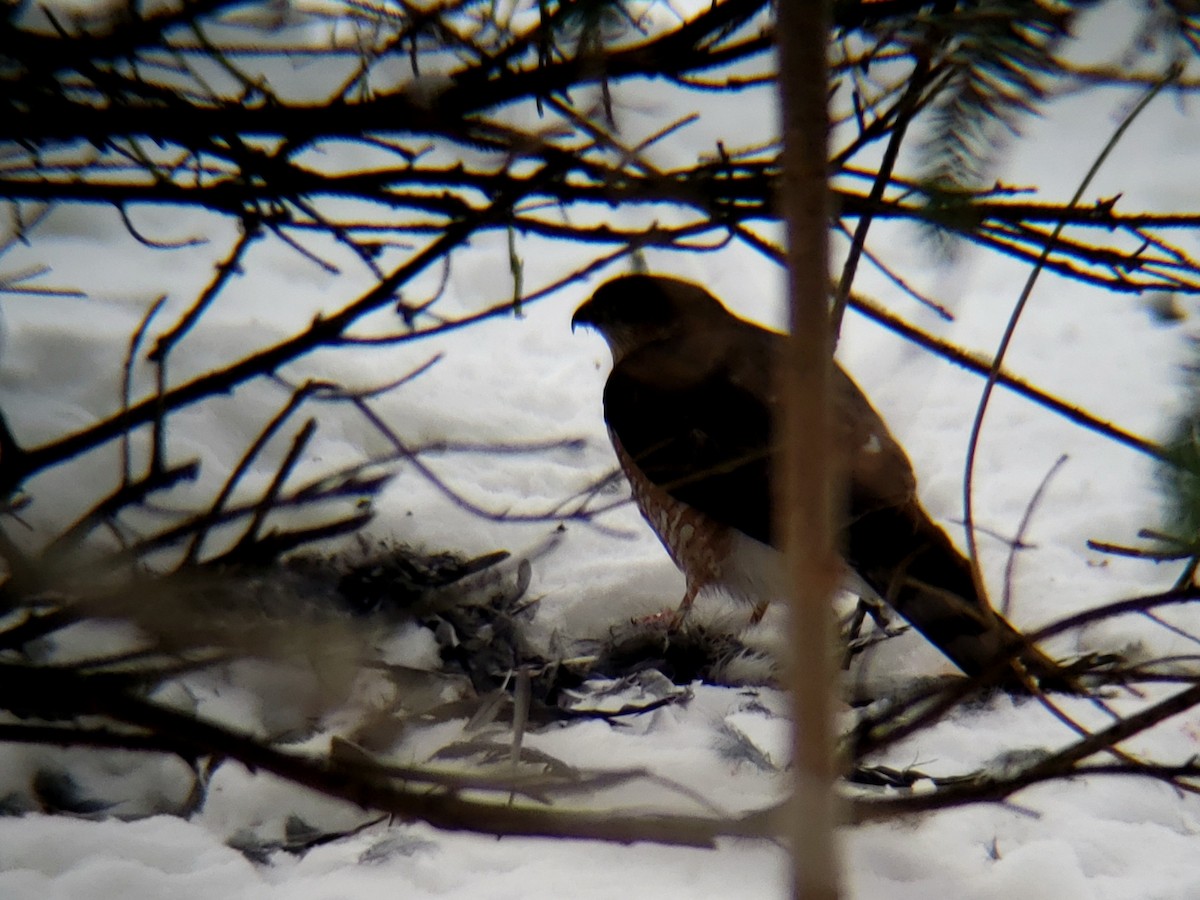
{"x": 911, "y": 563}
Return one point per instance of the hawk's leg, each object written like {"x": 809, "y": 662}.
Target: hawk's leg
{"x": 855, "y": 641}
{"x": 685, "y": 607}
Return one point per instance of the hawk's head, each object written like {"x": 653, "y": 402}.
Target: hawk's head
{"x": 633, "y": 311}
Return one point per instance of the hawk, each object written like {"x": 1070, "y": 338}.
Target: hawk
{"x": 689, "y": 407}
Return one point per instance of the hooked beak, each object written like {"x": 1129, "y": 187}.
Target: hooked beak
{"x": 583, "y": 317}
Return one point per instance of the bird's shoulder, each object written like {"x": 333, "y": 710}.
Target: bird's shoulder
{"x": 715, "y": 383}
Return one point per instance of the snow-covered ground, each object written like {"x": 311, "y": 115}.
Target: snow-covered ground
{"x": 528, "y": 379}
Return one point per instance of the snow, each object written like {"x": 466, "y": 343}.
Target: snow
{"x": 513, "y": 380}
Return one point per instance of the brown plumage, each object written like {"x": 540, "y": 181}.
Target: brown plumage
{"x": 689, "y": 407}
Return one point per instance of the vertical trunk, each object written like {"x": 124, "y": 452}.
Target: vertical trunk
{"x": 809, "y": 485}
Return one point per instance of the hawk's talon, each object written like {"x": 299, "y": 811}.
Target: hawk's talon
{"x": 663, "y": 616}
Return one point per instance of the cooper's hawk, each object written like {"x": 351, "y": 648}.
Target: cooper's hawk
{"x": 689, "y": 407}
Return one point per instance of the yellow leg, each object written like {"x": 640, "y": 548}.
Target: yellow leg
{"x": 685, "y": 607}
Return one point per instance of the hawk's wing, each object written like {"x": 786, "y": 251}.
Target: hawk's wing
{"x": 706, "y": 443}
{"x": 705, "y": 436}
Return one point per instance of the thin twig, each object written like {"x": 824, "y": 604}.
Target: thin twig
{"x": 1018, "y": 542}
{"x": 1010, "y": 329}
